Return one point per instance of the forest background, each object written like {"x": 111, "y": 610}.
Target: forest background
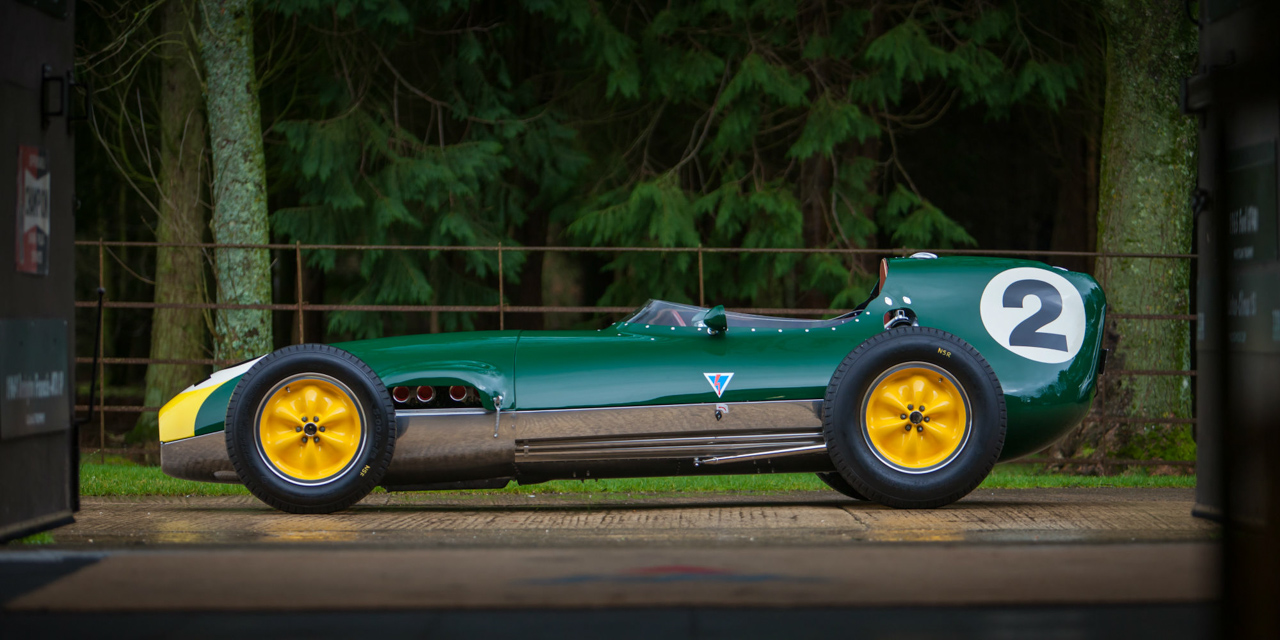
{"x": 983, "y": 124}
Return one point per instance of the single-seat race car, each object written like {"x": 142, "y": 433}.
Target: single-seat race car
{"x": 951, "y": 365}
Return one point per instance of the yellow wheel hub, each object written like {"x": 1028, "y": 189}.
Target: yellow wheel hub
{"x": 917, "y": 417}
{"x": 310, "y": 428}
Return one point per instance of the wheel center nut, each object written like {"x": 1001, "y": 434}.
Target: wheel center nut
{"x": 916, "y": 417}
{"x": 309, "y": 429}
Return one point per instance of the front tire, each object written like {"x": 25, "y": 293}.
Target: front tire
{"x": 914, "y": 418}
{"x": 310, "y": 429}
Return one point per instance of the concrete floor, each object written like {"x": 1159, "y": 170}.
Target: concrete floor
{"x": 1083, "y": 555}
{"x": 535, "y": 519}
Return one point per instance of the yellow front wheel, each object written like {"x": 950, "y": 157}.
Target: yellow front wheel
{"x": 310, "y": 428}
{"x": 916, "y": 417}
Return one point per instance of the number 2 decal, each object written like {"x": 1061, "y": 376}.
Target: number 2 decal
{"x": 1027, "y": 333}
{"x": 1034, "y": 313}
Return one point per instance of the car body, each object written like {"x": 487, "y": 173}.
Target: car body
{"x": 662, "y": 393}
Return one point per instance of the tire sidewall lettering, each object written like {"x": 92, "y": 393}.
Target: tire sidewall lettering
{"x": 1020, "y": 313}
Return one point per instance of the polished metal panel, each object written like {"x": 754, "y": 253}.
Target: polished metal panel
{"x": 791, "y": 415}
{"x": 457, "y": 445}
{"x": 450, "y": 445}
{"x": 199, "y": 458}
{"x": 640, "y": 447}
{"x": 760, "y": 455}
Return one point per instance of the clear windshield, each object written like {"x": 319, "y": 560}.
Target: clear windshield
{"x": 667, "y": 314}
{"x": 661, "y": 313}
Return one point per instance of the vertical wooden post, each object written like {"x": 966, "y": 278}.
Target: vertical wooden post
{"x": 502, "y": 318}
{"x": 297, "y": 254}
{"x": 102, "y": 388}
{"x": 702, "y": 302}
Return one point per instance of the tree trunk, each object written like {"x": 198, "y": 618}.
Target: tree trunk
{"x": 177, "y": 334}
{"x": 239, "y": 177}
{"x": 1147, "y": 176}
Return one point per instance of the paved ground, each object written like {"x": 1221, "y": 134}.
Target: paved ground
{"x": 576, "y": 520}
{"x": 1080, "y": 561}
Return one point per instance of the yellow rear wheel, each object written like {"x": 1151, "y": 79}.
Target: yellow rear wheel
{"x": 917, "y": 417}
{"x": 310, "y": 428}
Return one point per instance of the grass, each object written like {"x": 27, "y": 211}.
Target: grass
{"x": 44, "y": 537}
{"x": 121, "y": 478}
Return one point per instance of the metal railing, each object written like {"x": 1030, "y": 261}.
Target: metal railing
{"x": 301, "y": 307}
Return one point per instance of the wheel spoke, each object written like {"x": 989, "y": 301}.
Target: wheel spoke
{"x": 335, "y": 412}
{"x": 284, "y": 411}
{"x": 340, "y": 436}
{"x": 311, "y": 399}
{"x": 893, "y": 399}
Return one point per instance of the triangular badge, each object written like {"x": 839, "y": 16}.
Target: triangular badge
{"x": 719, "y": 381}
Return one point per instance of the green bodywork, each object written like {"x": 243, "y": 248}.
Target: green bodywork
{"x": 629, "y": 364}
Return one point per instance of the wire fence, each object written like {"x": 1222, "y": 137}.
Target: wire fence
{"x": 300, "y": 307}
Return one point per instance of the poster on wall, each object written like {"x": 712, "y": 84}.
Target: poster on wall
{"x": 33, "y": 211}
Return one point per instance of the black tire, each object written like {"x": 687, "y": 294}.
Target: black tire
{"x": 844, "y": 419}
{"x": 837, "y": 482}
{"x": 376, "y": 440}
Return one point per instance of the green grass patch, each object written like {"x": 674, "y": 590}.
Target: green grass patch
{"x": 44, "y": 537}
{"x": 118, "y": 478}
{"x": 125, "y": 479}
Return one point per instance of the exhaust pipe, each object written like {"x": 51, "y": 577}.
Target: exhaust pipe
{"x": 400, "y": 394}
{"x": 459, "y": 393}
{"x": 426, "y": 394}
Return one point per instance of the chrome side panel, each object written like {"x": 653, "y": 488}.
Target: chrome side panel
{"x": 451, "y": 445}
{"x": 443, "y": 445}
{"x": 200, "y": 458}
{"x": 792, "y": 415}
{"x": 640, "y": 447}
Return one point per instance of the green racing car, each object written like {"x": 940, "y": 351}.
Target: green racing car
{"x": 951, "y": 365}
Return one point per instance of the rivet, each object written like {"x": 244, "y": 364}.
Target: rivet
{"x": 926, "y": 418}
{"x": 903, "y": 416}
{"x": 919, "y": 428}
{"x": 911, "y": 407}
{"x": 322, "y": 428}
{"x": 318, "y": 437}
{"x": 297, "y": 429}
{"x": 922, "y": 407}
{"x": 316, "y": 419}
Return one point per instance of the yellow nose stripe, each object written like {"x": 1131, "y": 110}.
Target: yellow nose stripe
{"x": 178, "y": 416}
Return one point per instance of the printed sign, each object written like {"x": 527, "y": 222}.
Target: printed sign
{"x": 33, "y": 211}
{"x": 35, "y": 389}
{"x": 1034, "y": 313}
{"x": 1250, "y": 203}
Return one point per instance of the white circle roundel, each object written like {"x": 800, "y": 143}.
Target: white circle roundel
{"x": 1034, "y": 313}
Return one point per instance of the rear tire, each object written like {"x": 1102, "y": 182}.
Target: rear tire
{"x": 310, "y": 429}
{"x": 922, "y": 457}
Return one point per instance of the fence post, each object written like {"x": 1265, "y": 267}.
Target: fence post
{"x": 102, "y": 388}
{"x": 502, "y": 318}
{"x": 701, "y": 298}
{"x": 297, "y": 254}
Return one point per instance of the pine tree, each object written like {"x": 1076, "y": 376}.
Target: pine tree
{"x": 728, "y": 124}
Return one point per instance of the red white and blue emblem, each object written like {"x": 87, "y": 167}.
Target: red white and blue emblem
{"x": 719, "y": 381}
